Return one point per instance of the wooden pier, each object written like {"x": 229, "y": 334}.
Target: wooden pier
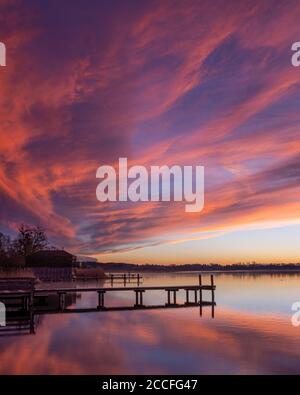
{"x": 19, "y": 323}
{"x": 30, "y": 297}
{"x": 17, "y": 291}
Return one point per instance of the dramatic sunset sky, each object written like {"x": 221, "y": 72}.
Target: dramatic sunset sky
{"x": 194, "y": 82}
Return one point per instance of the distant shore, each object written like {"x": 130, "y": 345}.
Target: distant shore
{"x": 216, "y": 268}
{"x": 149, "y": 268}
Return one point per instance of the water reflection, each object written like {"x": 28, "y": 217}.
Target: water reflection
{"x": 251, "y": 333}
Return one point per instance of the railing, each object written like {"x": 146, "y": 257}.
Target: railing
{"x": 124, "y": 278}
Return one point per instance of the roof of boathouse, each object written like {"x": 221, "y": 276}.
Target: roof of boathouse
{"x": 51, "y": 258}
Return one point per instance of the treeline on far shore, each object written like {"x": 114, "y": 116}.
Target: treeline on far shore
{"x": 272, "y": 267}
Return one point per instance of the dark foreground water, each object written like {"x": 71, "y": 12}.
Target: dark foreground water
{"x": 251, "y": 333}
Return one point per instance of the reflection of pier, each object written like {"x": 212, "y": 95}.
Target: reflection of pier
{"x": 19, "y": 323}
{"x": 126, "y": 308}
{"x": 23, "y": 305}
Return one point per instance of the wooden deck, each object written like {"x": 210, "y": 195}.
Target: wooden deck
{"x": 25, "y": 303}
{"x": 29, "y": 295}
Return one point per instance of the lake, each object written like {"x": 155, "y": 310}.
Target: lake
{"x": 251, "y": 332}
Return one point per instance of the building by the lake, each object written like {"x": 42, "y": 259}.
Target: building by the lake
{"x": 52, "y": 265}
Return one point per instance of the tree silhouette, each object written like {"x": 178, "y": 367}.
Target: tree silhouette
{"x": 30, "y": 240}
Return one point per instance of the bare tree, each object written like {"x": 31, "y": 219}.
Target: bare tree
{"x": 30, "y": 240}
{"x": 5, "y": 247}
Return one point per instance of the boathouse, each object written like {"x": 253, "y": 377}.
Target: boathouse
{"x": 52, "y": 265}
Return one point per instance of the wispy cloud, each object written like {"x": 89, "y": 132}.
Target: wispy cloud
{"x": 160, "y": 83}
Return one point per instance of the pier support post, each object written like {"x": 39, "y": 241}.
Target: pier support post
{"x": 32, "y": 329}
{"x": 212, "y": 289}
{"x": 25, "y": 302}
{"x": 212, "y": 296}
{"x": 201, "y": 310}
{"x": 187, "y": 296}
{"x": 100, "y": 300}
{"x": 169, "y": 303}
{"x": 200, "y": 291}
{"x": 139, "y": 297}
{"x": 213, "y": 310}
{"x": 62, "y": 300}
{"x": 188, "y": 302}
{"x": 196, "y": 296}
{"x": 31, "y": 300}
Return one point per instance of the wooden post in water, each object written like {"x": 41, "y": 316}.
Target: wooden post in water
{"x": 187, "y": 297}
{"x": 136, "y": 298}
{"x": 139, "y": 297}
{"x": 62, "y": 301}
{"x": 169, "y": 298}
{"x": 212, "y": 289}
{"x": 25, "y": 303}
{"x": 31, "y": 299}
{"x": 100, "y": 300}
{"x": 200, "y": 292}
{"x": 174, "y": 296}
{"x": 200, "y": 283}
{"x": 32, "y": 331}
{"x": 174, "y": 302}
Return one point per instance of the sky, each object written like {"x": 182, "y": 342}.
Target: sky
{"x": 160, "y": 83}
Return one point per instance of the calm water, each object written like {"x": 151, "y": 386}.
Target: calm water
{"x": 251, "y": 333}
